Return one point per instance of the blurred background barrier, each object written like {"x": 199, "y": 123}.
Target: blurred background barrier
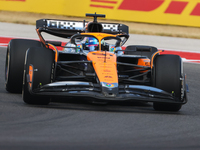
{"x": 170, "y": 12}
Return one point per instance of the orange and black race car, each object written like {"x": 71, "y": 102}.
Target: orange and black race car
{"x": 94, "y": 66}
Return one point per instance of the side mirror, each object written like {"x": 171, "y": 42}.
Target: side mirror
{"x": 125, "y": 38}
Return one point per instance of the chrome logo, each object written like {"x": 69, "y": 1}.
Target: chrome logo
{"x": 109, "y": 85}
{"x": 112, "y": 49}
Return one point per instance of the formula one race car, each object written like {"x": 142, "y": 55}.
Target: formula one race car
{"x": 94, "y": 66}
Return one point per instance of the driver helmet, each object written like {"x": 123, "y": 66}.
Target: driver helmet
{"x": 91, "y": 43}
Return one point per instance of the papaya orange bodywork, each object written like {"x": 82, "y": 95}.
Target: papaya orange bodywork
{"x": 158, "y": 52}
{"x": 55, "y": 50}
{"x": 41, "y": 38}
{"x": 143, "y": 62}
{"x": 30, "y": 75}
{"x": 104, "y": 65}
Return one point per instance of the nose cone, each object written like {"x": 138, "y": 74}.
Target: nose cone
{"x": 109, "y": 89}
{"x": 104, "y": 65}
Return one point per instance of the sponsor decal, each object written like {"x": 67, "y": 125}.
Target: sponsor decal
{"x": 172, "y": 12}
{"x": 104, "y": 57}
{"x": 108, "y": 77}
{"x": 79, "y": 45}
{"x": 106, "y": 70}
{"x": 140, "y": 5}
{"x": 136, "y": 5}
{"x": 94, "y": 53}
{"x": 70, "y": 25}
{"x": 110, "y": 85}
{"x": 196, "y": 10}
{"x": 174, "y": 7}
{"x": 99, "y": 35}
{"x": 112, "y": 49}
{"x": 103, "y": 4}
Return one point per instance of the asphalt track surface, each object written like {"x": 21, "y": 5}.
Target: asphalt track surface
{"x": 76, "y": 124}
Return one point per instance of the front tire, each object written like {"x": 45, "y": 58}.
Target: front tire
{"x": 14, "y": 65}
{"x": 41, "y": 60}
{"x": 168, "y": 72}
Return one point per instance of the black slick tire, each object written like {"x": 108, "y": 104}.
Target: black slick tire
{"x": 167, "y": 76}
{"x": 42, "y": 61}
{"x": 14, "y": 65}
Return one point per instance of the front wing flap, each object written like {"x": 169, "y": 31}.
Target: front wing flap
{"x": 90, "y": 90}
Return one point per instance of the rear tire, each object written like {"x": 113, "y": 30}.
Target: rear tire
{"x": 42, "y": 60}
{"x": 168, "y": 70}
{"x": 14, "y": 65}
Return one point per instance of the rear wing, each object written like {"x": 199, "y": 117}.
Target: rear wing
{"x": 67, "y": 28}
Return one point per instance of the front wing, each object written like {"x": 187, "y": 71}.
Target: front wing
{"x": 97, "y": 92}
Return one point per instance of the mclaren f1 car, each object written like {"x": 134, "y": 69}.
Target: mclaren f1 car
{"x": 93, "y": 65}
